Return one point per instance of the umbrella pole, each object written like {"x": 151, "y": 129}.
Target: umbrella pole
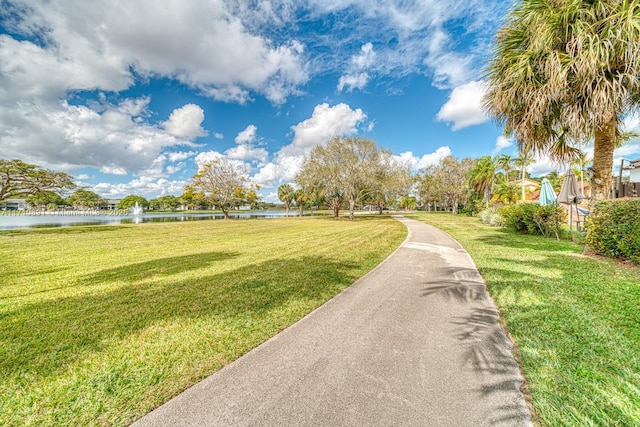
{"x": 571, "y": 217}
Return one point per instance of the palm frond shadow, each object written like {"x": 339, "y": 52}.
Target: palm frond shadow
{"x": 465, "y": 285}
{"x": 487, "y": 349}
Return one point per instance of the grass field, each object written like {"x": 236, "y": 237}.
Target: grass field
{"x": 575, "y": 319}
{"x": 99, "y": 325}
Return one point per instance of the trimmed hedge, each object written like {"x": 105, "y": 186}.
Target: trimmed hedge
{"x": 613, "y": 228}
{"x": 530, "y": 218}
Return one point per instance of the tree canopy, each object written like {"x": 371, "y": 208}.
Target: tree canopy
{"x": 286, "y": 194}
{"x": 445, "y": 183}
{"x": 301, "y": 197}
{"x": 224, "y": 184}
{"x": 20, "y": 179}
{"x": 46, "y": 199}
{"x": 564, "y": 72}
{"x": 391, "y": 181}
{"x": 343, "y": 170}
{"x": 482, "y": 177}
{"x": 83, "y": 198}
{"x": 130, "y": 201}
{"x": 164, "y": 203}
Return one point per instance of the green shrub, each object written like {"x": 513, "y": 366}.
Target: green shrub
{"x": 613, "y": 228}
{"x": 549, "y": 219}
{"x": 491, "y": 217}
{"x": 530, "y": 218}
{"x": 519, "y": 218}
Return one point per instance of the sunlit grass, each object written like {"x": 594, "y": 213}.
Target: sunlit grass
{"x": 575, "y": 319}
{"x": 99, "y": 325}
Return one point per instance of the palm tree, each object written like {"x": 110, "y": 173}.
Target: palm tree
{"x": 482, "y": 177}
{"x": 300, "y": 197}
{"x": 286, "y": 195}
{"x": 564, "y": 72}
{"x": 506, "y": 193}
{"x": 504, "y": 162}
{"x": 408, "y": 202}
{"x": 581, "y": 163}
{"x": 522, "y": 162}
{"x": 555, "y": 179}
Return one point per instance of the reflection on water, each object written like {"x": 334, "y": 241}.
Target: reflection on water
{"x": 9, "y": 222}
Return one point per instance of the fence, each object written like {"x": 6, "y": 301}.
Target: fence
{"x": 629, "y": 189}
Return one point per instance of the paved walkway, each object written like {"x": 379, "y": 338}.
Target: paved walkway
{"x": 416, "y": 342}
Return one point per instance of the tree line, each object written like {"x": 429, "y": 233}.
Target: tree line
{"x": 346, "y": 173}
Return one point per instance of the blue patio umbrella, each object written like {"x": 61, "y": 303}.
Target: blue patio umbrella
{"x": 547, "y": 195}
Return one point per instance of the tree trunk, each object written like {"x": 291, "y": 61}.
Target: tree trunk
{"x": 352, "y": 206}
{"x": 286, "y": 210}
{"x": 301, "y": 208}
{"x": 522, "y": 177}
{"x": 226, "y": 213}
{"x": 487, "y": 196}
{"x": 603, "y": 160}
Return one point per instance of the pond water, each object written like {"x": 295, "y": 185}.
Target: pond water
{"x": 13, "y": 222}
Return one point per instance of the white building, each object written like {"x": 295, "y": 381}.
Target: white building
{"x": 14, "y": 204}
{"x": 634, "y": 170}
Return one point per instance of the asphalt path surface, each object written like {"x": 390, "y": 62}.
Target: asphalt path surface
{"x": 415, "y": 342}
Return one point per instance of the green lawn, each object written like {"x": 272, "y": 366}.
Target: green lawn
{"x": 100, "y": 324}
{"x": 575, "y": 320}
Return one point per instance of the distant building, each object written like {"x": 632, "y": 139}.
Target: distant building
{"x": 634, "y": 170}
{"x": 111, "y": 204}
{"x": 14, "y": 204}
{"x": 531, "y": 187}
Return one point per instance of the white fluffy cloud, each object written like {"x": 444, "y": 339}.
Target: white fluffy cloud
{"x": 357, "y": 77}
{"x": 95, "y": 45}
{"x": 72, "y": 46}
{"x": 186, "y": 122}
{"x": 426, "y": 160}
{"x": 247, "y": 136}
{"x": 281, "y": 169}
{"x": 502, "y": 142}
{"x": 325, "y": 123}
{"x": 351, "y": 81}
{"x": 464, "y": 107}
{"x": 145, "y": 186}
{"x": 113, "y": 138}
{"x": 180, "y": 155}
{"x": 113, "y": 170}
{"x": 151, "y": 182}
{"x": 246, "y": 150}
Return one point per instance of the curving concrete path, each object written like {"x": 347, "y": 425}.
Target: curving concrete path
{"x": 415, "y": 342}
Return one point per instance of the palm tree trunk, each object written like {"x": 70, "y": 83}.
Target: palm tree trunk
{"x": 487, "y": 196}
{"x": 603, "y": 159}
{"x": 522, "y": 177}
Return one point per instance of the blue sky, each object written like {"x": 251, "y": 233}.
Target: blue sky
{"x": 130, "y": 97}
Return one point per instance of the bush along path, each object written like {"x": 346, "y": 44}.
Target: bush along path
{"x": 574, "y": 318}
